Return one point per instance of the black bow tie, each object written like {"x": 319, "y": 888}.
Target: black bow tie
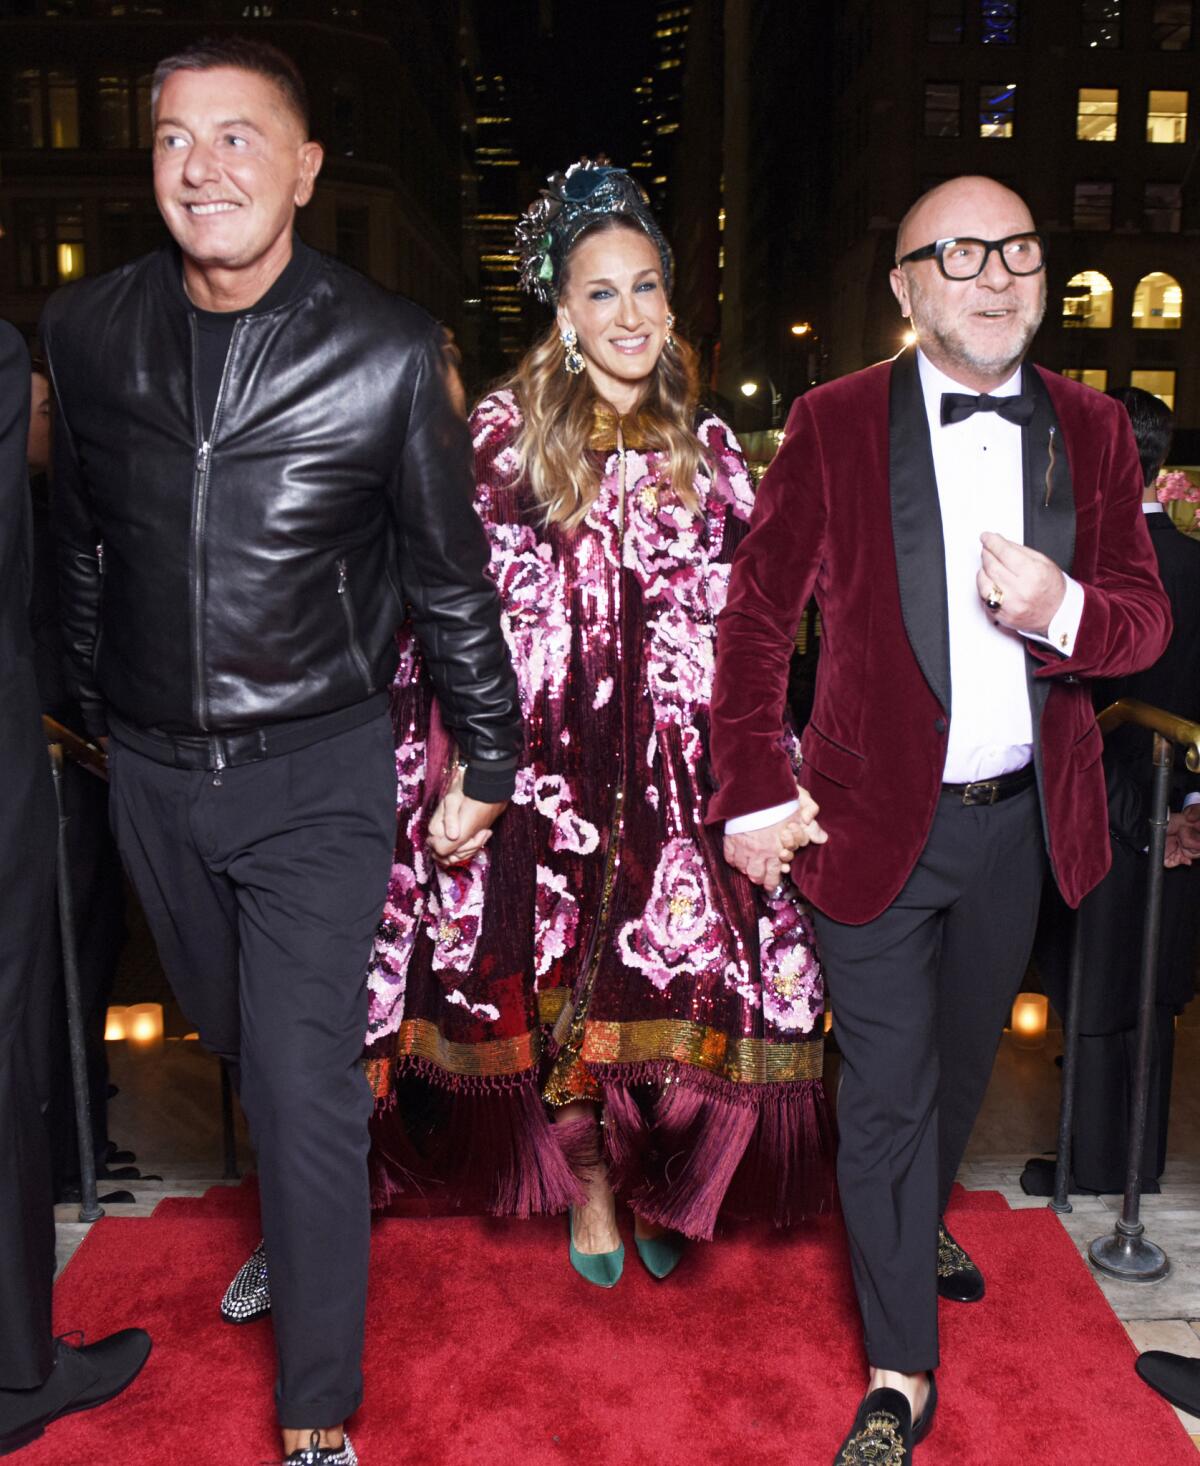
{"x": 958, "y": 406}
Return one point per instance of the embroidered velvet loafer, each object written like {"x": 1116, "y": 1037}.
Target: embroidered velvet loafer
{"x": 318, "y": 1455}
{"x": 81, "y": 1379}
{"x": 883, "y": 1433}
{"x": 249, "y": 1295}
{"x": 958, "y": 1279}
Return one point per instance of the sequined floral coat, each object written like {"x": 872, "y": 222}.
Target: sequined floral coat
{"x": 599, "y": 947}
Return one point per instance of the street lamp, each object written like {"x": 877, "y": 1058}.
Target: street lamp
{"x": 802, "y": 328}
{"x": 750, "y": 388}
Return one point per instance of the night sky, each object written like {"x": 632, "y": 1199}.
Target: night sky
{"x": 573, "y": 68}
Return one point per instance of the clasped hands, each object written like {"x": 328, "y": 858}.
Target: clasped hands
{"x": 460, "y": 826}
{"x": 1183, "y": 837}
{"x": 1021, "y": 587}
{"x": 765, "y": 855}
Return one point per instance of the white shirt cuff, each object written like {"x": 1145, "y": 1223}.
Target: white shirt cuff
{"x": 759, "y": 819}
{"x": 1188, "y": 800}
{"x": 1064, "y": 625}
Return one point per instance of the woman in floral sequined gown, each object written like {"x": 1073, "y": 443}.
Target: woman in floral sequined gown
{"x": 598, "y": 955}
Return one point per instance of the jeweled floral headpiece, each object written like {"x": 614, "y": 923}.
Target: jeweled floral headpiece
{"x": 587, "y": 191}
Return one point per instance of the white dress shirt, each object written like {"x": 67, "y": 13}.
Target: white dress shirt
{"x": 980, "y": 483}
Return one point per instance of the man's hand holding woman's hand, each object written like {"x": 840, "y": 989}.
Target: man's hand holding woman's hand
{"x": 461, "y": 826}
{"x": 765, "y": 855}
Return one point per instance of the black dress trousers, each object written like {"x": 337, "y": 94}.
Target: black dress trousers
{"x": 919, "y": 997}
{"x": 263, "y": 885}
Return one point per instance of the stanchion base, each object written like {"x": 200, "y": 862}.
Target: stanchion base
{"x": 1132, "y": 1259}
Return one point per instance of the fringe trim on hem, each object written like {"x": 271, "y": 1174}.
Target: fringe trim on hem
{"x": 710, "y": 1146}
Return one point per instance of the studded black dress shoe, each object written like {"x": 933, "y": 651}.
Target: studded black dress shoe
{"x": 959, "y": 1279}
{"x": 249, "y": 1295}
{"x": 883, "y": 1433}
{"x": 82, "y": 1378}
{"x": 316, "y": 1455}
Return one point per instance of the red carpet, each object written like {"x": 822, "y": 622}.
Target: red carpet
{"x": 484, "y": 1349}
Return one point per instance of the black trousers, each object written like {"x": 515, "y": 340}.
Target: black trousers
{"x": 919, "y": 999}
{"x": 263, "y": 886}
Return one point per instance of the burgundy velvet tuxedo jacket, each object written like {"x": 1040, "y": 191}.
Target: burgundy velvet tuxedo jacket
{"x": 849, "y": 510}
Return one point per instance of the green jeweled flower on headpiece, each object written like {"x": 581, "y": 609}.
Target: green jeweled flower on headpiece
{"x": 589, "y": 190}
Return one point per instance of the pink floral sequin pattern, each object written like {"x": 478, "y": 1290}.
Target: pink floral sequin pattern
{"x": 405, "y": 903}
{"x": 680, "y": 930}
{"x": 534, "y": 617}
{"x": 557, "y": 920}
{"x": 793, "y": 988}
{"x": 456, "y": 918}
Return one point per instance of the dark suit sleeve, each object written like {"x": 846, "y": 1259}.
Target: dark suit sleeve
{"x": 443, "y": 564}
{"x": 80, "y": 561}
{"x": 774, "y": 573}
{"x": 1126, "y": 619}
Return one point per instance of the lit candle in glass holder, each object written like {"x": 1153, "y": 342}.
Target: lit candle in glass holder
{"x": 1029, "y": 1014}
{"x": 144, "y": 1025}
{"x": 114, "y": 1024}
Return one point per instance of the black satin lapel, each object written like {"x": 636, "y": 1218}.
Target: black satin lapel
{"x": 917, "y": 527}
{"x": 1049, "y": 493}
{"x": 1049, "y": 503}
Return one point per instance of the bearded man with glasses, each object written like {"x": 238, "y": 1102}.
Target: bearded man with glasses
{"x": 972, "y": 529}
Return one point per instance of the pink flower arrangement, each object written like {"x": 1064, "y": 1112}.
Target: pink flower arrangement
{"x": 1176, "y": 485}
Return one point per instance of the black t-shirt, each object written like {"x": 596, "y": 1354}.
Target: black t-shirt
{"x": 214, "y": 331}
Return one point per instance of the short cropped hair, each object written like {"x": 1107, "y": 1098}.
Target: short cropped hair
{"x": 242, "y": 54}
{"x": 1152, "y": 424}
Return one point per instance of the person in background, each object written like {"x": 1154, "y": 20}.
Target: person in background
{"x": 970, "y": 525}
{"x": 41, "y": 1377}
{"x": 1110, "y": 926}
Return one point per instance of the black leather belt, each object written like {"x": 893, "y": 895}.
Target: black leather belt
{"x": 247, "y": 745}
{"x": 991, "y": 791}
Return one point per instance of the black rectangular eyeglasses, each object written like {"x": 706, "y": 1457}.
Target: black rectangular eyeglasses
{"x": 963, "y": 259}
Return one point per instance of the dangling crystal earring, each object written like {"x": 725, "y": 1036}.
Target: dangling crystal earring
{"x": 670, "y": 340}
{"x": 572, "y": 360}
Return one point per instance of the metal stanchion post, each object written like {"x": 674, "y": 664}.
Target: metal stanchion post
{"x": 1126, "y": 1252}
{"x": 90, "y": 1209}
{"x": 1066, "y": 1114}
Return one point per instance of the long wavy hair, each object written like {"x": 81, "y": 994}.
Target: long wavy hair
{"x": 558, "y": 417}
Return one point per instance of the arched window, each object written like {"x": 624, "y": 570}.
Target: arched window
{"x": 1158, "y": 303}
{"x": 1088, "y": 301}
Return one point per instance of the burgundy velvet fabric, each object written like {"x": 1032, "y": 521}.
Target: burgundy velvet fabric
{"x": 875, "y": 746}
{"x": 483, "y": 1348}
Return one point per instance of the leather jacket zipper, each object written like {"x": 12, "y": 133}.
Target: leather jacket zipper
{"x": 200, "y": 479}
{"x": 356, "y": 651}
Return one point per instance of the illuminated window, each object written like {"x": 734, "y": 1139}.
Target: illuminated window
{"x": 1101, "y": 23}
{"x": 1171, "y": 25}
{"x": 45, "y": 109}
{"x": 1093, "y": 206}
{"x": 1162, "y": 384}
{"x": 997, "y": 109}
{"x": 1096, "y": 115}
{"x": 1166, "y": 117}
{"x": 1088, "y": 301}
{"x": 1158, "y": 303}
{"x": 1090, "y": 376}
{"x": 943, "y": 107}
{"x": 998, "y": 22}
{"x": 112, "y": 111}
{"x": 49, "y": 240}
{"x": 1163, "y": 208}
{"x": 945, "y": 22}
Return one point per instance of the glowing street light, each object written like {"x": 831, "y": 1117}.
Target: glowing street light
{"x": 749, "y": 389}
{"x": 801, "y": 328}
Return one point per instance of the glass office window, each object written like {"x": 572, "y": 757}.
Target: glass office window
{"x": 1088, "y": 301}
{"x": 943, "y": 109}
{"x": 1096, "y": 114}
{"x": 1158, "y": 303}
{"x": 997, "y": 109}
{"x": 1101, "y": 23}
{"x": 1163, "y": 208}
{"x": 1090, "y": 376}
{"x": 1093, "y": 206}
{"x": 1161, "y": 383}
{"x": 1166, "y": 117}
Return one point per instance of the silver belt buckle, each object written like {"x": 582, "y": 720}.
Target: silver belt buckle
{"x": 984, "y": 791}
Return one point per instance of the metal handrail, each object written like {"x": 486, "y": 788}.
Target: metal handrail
{"x": 1126, "y": 1252}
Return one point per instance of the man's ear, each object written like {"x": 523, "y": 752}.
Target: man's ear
{"x": 312, "y": 155}
{"x": 899, "y": 284}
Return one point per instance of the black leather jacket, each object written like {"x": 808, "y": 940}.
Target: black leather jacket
{"x": 215, "y": 587}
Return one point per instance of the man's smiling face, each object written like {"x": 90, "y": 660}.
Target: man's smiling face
{"x": 231, "y": 165}
{"x": 975, "y": 331}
